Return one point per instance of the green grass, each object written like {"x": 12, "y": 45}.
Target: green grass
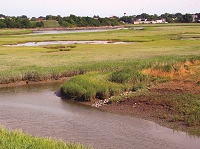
{"x": 19, "y": 140}
{"x": 127, "y": 77}
{"x": 14, "y": 31}
{"x": 90, "y": 86}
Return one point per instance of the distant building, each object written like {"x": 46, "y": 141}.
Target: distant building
{"x": 195, "y": 18}
{"x": 145, "y": 21}
{"x": 136, "y": 22}
{"x": 1, "y": 18}
{"x": 41, "y": 18}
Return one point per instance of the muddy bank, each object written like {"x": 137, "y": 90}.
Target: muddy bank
{"x": 23, "y": 83}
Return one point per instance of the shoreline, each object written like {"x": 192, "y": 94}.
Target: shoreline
{"x": 24, "y": 83}
{"x": 144, "y": 112}
{"x": 77, "y": 28}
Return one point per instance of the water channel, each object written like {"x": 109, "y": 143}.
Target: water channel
{"x": 38, "y": 110}
{"x": 42, "y": 32}
{"x": 64, "y": 42}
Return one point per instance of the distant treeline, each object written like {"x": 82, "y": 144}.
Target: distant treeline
{"x": 96, "y": 21}
{"x": 75, "y": 21}
{"x": 170, "y": 18}
{"x": 70, "y": 21}
{"x": 19, "y": 22}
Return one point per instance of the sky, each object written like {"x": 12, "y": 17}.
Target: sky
{"x": 103, "y": 8}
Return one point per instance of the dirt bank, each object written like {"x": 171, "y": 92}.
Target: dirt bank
{"x": 23, "y": 83}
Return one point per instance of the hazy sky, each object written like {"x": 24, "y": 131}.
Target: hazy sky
{"x": 102, "y": 8}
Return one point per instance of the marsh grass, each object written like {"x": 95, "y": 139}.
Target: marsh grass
{"x": 4, "y": 32}
{"x": 90, "y": 86}
{"x": 19, "y": 140}
{"x": 67, "y": 69}
{"x": 128, "y": 76}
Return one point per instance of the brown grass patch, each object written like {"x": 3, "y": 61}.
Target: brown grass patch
{"x": 177, "y": 71}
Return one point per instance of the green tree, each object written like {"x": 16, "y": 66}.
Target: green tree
{"x": 2, "y": 24}
{"x": 179, "y": 17}
{"x": 10, "y": 23}
{"x": 187, "y": 18}
{"x": 40, "y": 24}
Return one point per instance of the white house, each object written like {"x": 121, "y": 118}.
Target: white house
{"x": 144, "y": 21}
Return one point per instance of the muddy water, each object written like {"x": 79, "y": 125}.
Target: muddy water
{"x": 36, "y": 109}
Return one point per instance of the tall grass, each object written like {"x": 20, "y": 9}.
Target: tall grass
{"x": 89, "y": 86}
{"x": 115, "y": 81}
{"x": 19, "y": 140}
{"x": 128, "y": 76}
{"x": 38, "y": 73}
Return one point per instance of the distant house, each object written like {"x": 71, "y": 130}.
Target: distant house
{"x": 161, "y": 21}
{"x": 195, "y": 18}
{"x": 136, "y": 22}
{"x": 41, "y": 18}
{"x": 145, "y": 21}
{"x": 1, "y": 18}
{"x": 140, "y": 21}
